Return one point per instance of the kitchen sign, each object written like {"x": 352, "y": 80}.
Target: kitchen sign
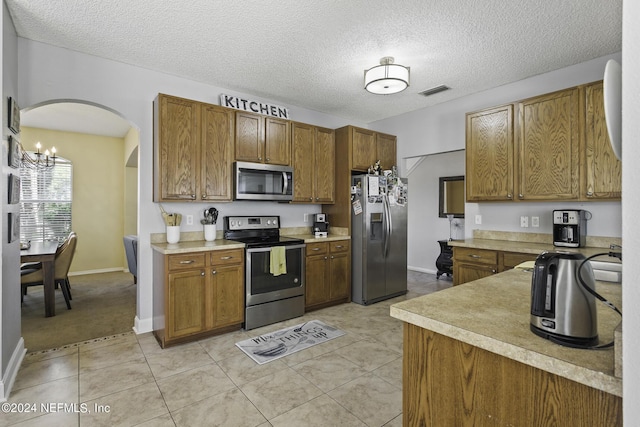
{"x": 254, "y": 106}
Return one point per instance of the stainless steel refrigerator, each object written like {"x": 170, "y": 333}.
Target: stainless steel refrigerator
{"x": 379, "y": 207}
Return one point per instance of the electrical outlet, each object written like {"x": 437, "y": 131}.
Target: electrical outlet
{"x": 306, "y": 217}
{"x": 524, "y": 221}
{"x": 535, "y": 221}
{"x": 478, "y": 219}
{"x": 189, "y": 219}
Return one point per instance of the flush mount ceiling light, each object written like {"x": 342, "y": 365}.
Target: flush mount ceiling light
{"x": 386, "y": 78}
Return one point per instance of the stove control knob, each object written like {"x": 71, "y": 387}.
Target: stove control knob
{"x": 233, "y": 223}
{"x": 268, "y": 222}
{"x": 239, "y": 223}
{"x": 275, "y": 222}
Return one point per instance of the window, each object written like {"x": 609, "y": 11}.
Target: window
{"x": 45, "y": 202}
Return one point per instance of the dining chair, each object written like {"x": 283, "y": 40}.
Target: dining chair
{"x": 62, "y": 263}
{"x": 131, "y": 251}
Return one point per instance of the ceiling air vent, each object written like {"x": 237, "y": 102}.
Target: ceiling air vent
{"x": 434, "y": 90}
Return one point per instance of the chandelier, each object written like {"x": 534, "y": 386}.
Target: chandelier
{"x": 386, "y": 78}
{"x": 38, "y": 159}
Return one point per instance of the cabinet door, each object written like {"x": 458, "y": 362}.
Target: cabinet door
{"x": 325, "y": 166}
{"x": 363, "y": 149}
{"x": 548, "y": 147}
{"x": 227, "y": 303}
{"x": 603, "y": 170}
{"x": 177, "y": 149}
{"x": 249, "y": 137}
{"x": 277, "y": 141}
{"x": 489, "y": 154}
{"x": 386, "y": 150}
{"x": 317, "y": 280}
{"x": 463, "y": 273}
{"x": 340, "y": 279}
{"x": 217, "y": 149}
{"x": 186, "y": 303}
{"x": 303, "y": 162}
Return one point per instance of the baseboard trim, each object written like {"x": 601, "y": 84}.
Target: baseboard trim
{"x": 141, "y": 326}
{"x": 422, "y": 270}
{"x": 102, "y": 270}
{"x": 9, "y": 377}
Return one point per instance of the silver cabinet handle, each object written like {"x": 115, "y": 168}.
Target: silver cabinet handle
{"x": 521, "y": 196}
{"x": 213, "y": 272}
{"x": 315, "y": 249}
{"x": 475, "y": 256}
{"x": 226, "y": 257}
{"x": 509, "y": 196}
{"x": 339, "y": 246}
{"x": 202, "y": 273}
{"x": 191, "y": 261}
{"x": 268, "y": 159}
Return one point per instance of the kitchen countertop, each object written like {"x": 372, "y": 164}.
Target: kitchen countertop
{"x": 192, "y": 242}
{"x": 493, "y": 314}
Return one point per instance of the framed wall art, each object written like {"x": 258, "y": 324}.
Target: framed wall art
{"x": 14, "y": 189}
{"x": 14, "y": 152}
{"x": 14, "y": 116}
{"x": 14, "y": 227}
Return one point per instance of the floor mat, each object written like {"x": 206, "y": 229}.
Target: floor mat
{"x": 283, "y": 342}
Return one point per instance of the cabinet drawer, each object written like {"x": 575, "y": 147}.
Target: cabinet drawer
{"x": 511, "y": 259}
{"x": 230, "y": 256}
{"x": 339, "y": 246}
{"x": 317, "y": 248}
{"x": 185, "y": 261}
{"x": 477, "y": 256}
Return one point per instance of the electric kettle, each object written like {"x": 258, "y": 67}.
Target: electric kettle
{"x": 562, "y": 310}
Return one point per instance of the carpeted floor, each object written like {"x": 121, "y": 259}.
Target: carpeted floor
{"x": 103, "y": 304}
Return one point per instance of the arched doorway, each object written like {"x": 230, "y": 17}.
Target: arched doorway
{"x": 103, "y": 147}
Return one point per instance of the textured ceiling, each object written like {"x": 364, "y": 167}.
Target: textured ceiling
{"x": 313, "y": 54}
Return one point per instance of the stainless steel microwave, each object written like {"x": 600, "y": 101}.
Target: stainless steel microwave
{"x": 258, "y": 181}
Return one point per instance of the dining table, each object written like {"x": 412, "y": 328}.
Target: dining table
{"x": 45, "y": 253}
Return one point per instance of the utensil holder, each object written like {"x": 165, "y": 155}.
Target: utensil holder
{"x": 209, "y": 232}
{"x": 173, "y": 233}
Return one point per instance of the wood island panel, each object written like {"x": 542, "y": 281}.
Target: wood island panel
{"x": 450, "y": 383}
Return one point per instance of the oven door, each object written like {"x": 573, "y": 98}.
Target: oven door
{"x": 262, "y": 286}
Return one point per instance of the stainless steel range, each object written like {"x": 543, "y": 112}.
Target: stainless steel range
{"x": 275, "y": 273}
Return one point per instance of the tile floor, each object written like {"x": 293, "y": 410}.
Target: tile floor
{"x": 128, "y": 380}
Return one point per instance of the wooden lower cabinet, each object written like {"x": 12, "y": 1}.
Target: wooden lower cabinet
{"x": 328, "y": 274}
{"x": 447, "y": 382}
{"x": 198, "y": 294}
{"x": 471, "y": 264}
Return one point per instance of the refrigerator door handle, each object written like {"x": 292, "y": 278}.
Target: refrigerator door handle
{"x": 387, "y": 224}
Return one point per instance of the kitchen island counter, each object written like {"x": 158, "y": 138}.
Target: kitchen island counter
{"x": 469, "y": 358}
{"x": 493, "y": 314}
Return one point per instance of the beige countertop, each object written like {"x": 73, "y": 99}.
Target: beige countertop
{"x": 193, "y": 241}
{"x": 493, "y": 314}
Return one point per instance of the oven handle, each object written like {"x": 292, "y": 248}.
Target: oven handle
{"x": 268, "y": 249}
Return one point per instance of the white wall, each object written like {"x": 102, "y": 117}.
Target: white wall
{"x": 50, "y": 73}
{"x": 441, "y": 128}
{"x": 11, "y": 343}
{"x": 425, "y": 226}
{"x": 630, "y": 208}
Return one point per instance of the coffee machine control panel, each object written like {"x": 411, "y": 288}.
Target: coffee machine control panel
{"x": 567, "y": 217}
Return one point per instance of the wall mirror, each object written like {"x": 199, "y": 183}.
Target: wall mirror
{"x": 452, "y": 196}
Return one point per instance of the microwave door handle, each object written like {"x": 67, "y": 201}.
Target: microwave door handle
{"x": 285, "y": 187}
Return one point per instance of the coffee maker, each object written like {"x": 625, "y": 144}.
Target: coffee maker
{"x": 569, "y": 228}
{"x": 320, "y": 225}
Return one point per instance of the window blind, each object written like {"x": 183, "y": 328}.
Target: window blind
{"x": 45, "y": 202}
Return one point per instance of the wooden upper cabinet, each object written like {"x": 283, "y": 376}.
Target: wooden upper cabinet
{"x": 325, "y": 166}
{"x": 262, "y": 139}
{"x": 363, "y": 149}
{"x": 249, "y": 137}
{"x": 313, "y": 155}
{"x": 217, "y": 148}
{"x": 548, "y": 146}
{"x": 489, "y": 154}
{"x": 277, "y": 144}
{"x": 176, "y": 149}
{"x": 302, "y": 149}
{"x": 602, "y": 169}
{"x": 193, "y": 148}
{"x": 386, "y": 150}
